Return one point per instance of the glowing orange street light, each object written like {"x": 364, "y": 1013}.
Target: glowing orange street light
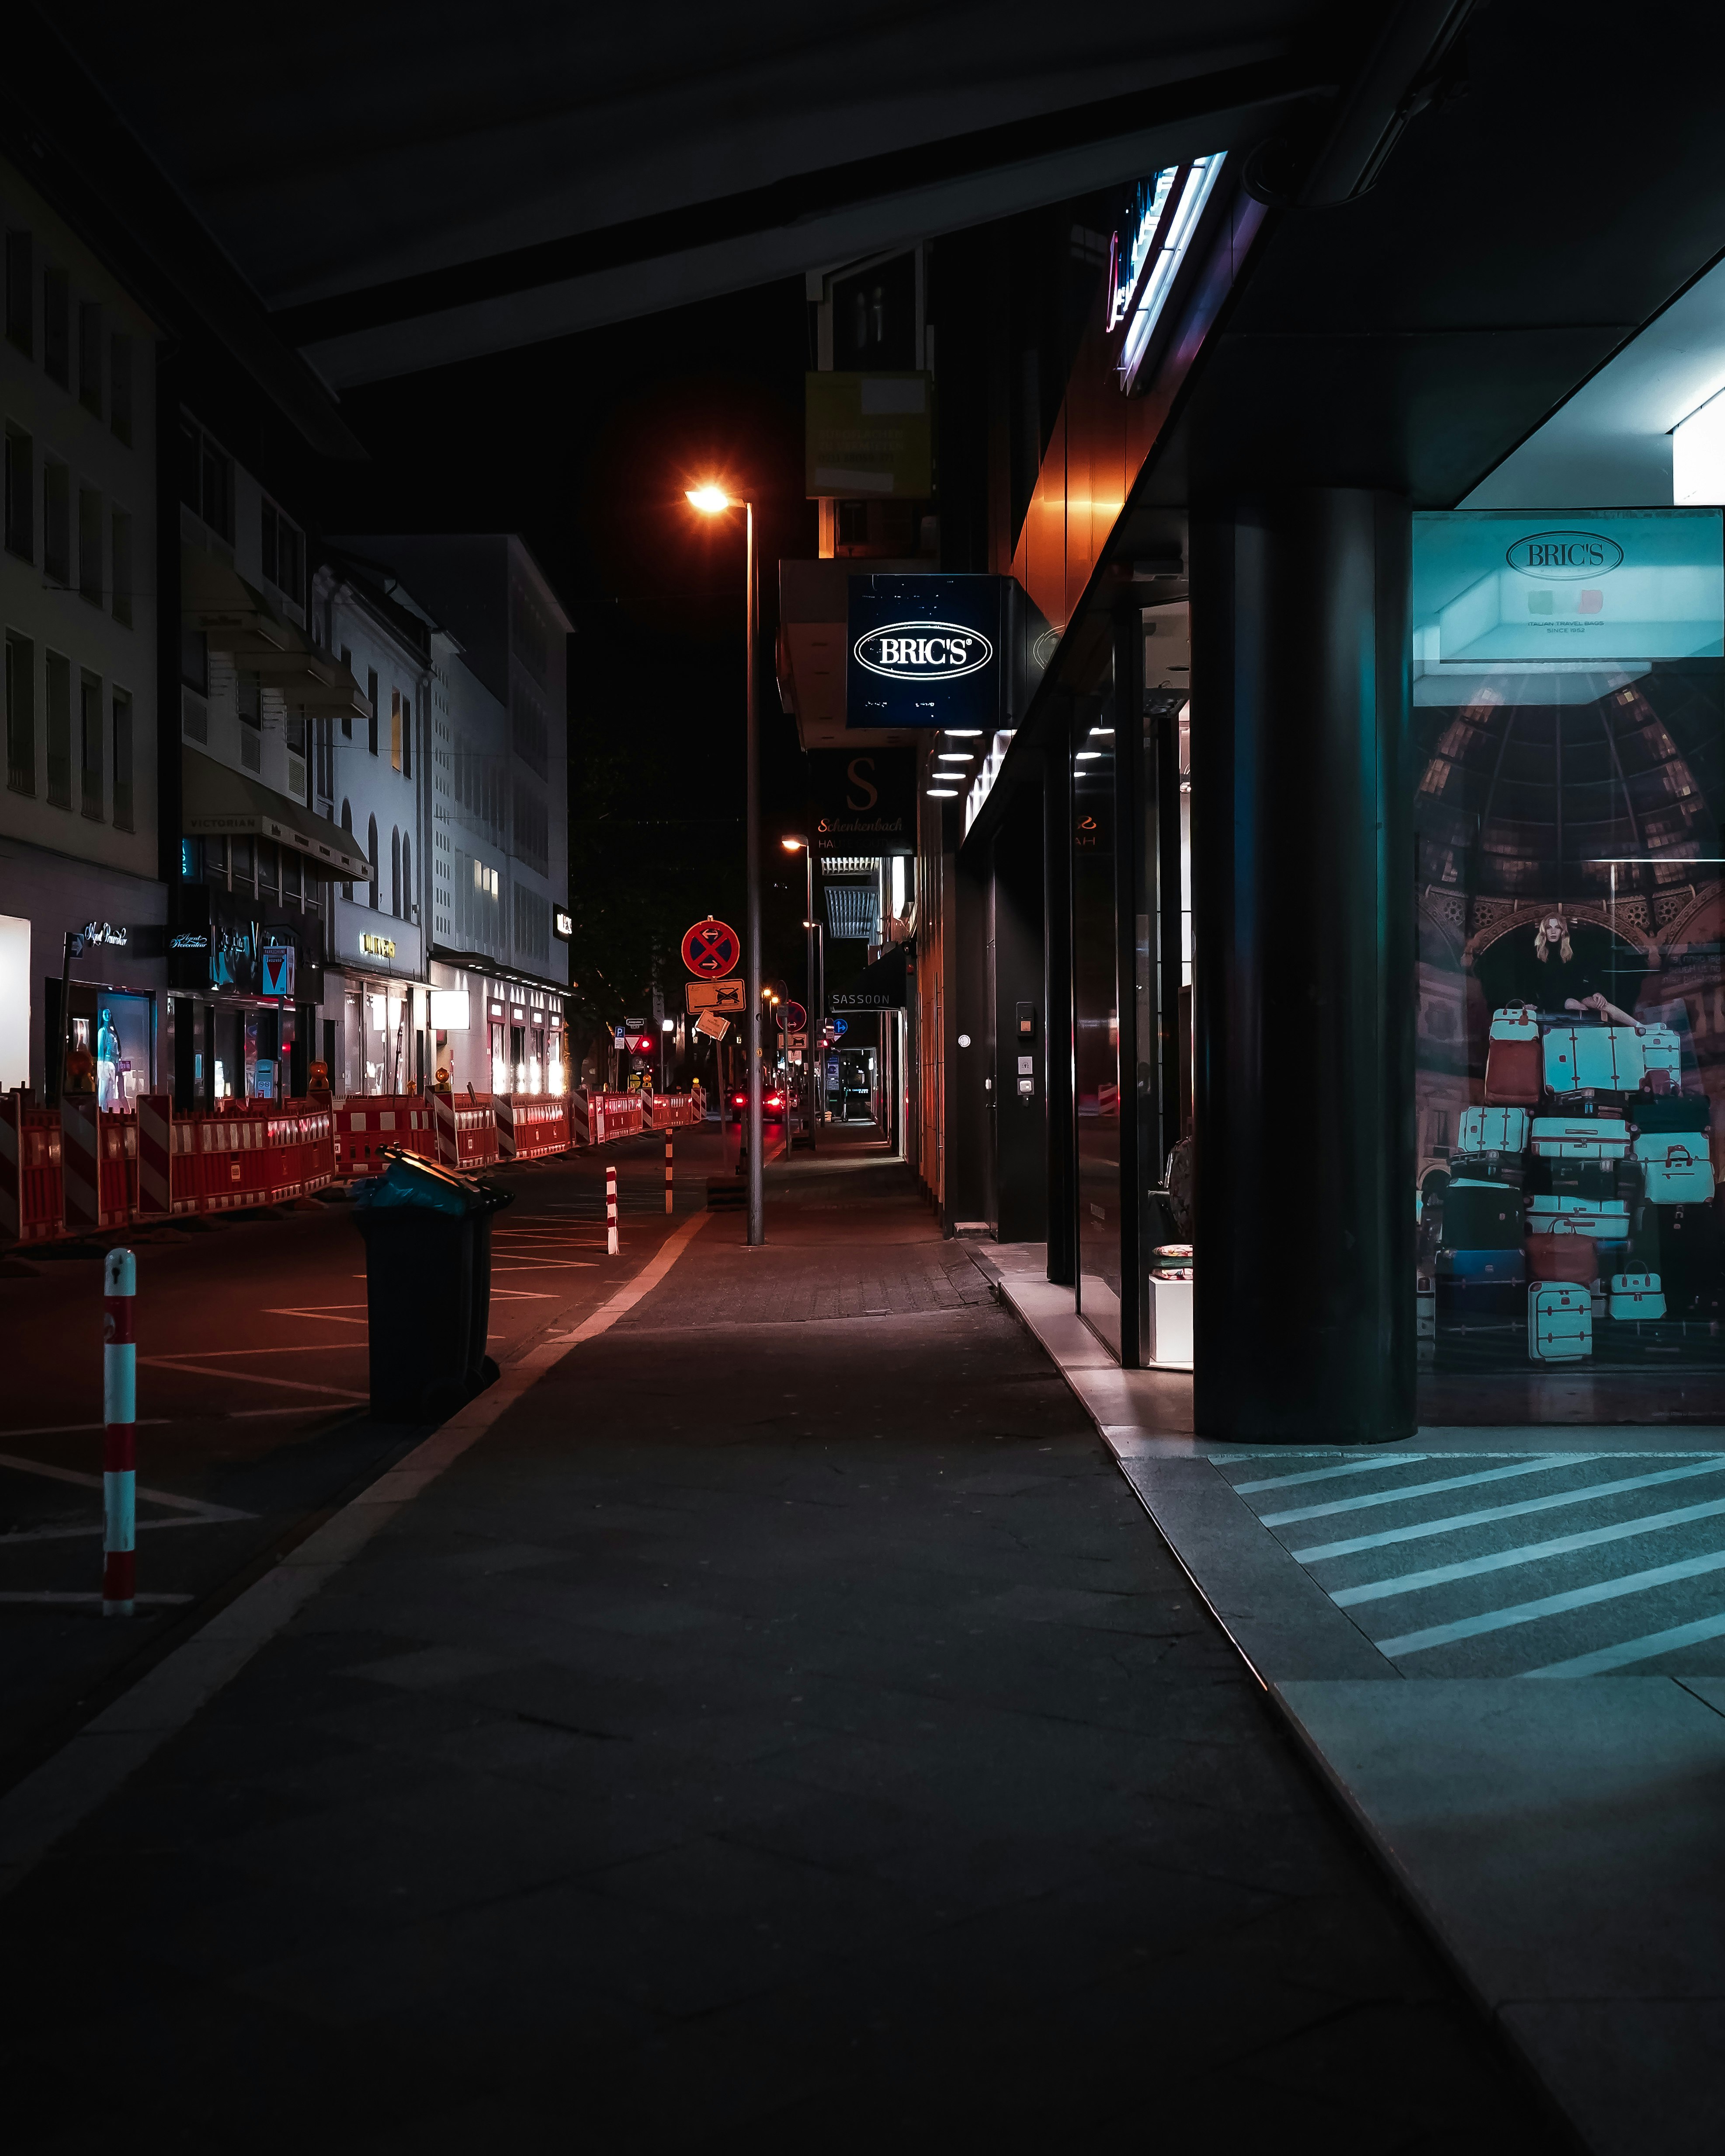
{"x": 712, "y": 500}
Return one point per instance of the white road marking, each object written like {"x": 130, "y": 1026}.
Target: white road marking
{"x": 230, "y": 1354}
{"x": 304, "y": 1408}
{"x": 96, "y": 1526}
{"x": 1411, "y": 1583}
{"x": 1550, "y": 1606}
{"x": 1633, "y": 1651}
{"x": 66, "y": 1788}
{"x": 1547, "y": 1463}
{"x": 73, "y": 1429}
{"x": 246, "y": 1376}
{"x": 50, "y": 1597}
{"x": 1712, "y": 1464}
{"x": 1325, "y": 1473}
{"x": 328, "y": 1313}
{"x": 199, "y": 1505}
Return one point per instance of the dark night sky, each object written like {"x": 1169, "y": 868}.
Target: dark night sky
{"x": 585, "y": 446}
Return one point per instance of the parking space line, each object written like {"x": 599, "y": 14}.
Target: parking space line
{"x": 1419, "y": 1530}
{"x": 1546, "y": 1464}
{"x": 1324, "y": 1474}
{"x": 1633, "y": 1651}
{"x": 1441, "y": 1575}
{"x": 48, "y": 1595}
{"x": 85, "y": 1482}
{"x": 243, "y": 1377}
{"x": 1550, "y": 1606}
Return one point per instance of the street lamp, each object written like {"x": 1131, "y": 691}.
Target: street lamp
{"x": 793, "y": 843}
{"x": 667, "y": 1027}
{"x": 713, "y": 500}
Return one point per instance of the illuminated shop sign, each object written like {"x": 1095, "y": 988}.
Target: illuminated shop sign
{"x": 562, "y": 924}
{"x": 105, "y": 932}
{"x": 1145, "y": 256}
{"x": 377, "y": 946}
{"x": 1619, "y": 590}
{"x": 924, "y": 651}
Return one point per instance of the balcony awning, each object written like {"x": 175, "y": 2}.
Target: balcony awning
{"x": 220, "y": 802}
{"x": 237, "y": 618}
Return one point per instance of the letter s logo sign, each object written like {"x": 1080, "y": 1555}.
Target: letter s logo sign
{"x": 857, "y": 782}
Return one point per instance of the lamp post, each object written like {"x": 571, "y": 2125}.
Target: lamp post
{"x": 811, "y": 1022}
{"x": 712, "y": 502}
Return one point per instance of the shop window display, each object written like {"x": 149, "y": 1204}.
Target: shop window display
{"x": 1569, "y": 768}
{"x": 1095, "y": 1013}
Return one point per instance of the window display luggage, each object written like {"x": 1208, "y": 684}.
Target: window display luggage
{"x": 1602, "y": 1218}
{"x": 1580, "y": 1138}
{"x": 1676, "y": 1170}
{"x": 1573, "y": 1178}
{"x": 1492, "y": 1130}
{"x": 1482, "y": 1216}
{"x": 1671, "y": 1112}
{"x": 1469, "y": 1301}
{"x": 1636, "y": 1294}
{"x": 1560, "y": 1323}
{"x": 1514, "y": 1074}
{"x": 1606, "y": 1057}
{"x": 1681, "y": 1243}
{"x": 1662, "y": 1053}
{"x": 1562, "y": 1257}
{"x": 1483, "y": 1264}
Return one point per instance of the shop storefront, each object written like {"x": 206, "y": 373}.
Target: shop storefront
{"x": 499, "y": 1034}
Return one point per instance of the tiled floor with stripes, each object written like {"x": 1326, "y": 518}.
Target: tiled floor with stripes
{"x": 1549, "y": 1564}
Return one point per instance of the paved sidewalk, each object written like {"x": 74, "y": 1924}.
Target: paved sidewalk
{"x": 780, "y": 1729}
{"x": 1506, "y": 1649}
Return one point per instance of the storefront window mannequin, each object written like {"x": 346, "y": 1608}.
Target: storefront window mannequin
{"x": 108, "y": 1089}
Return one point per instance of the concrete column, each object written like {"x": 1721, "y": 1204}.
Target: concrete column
{"x": 1303, "y": 904}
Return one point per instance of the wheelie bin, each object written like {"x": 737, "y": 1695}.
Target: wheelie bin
{"x": 428, "y": 1237}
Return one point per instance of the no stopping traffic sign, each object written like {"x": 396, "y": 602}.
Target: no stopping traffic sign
{"x": 711, "y": 949}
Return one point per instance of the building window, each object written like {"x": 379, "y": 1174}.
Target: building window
{"x": 20, "y": 714}
{"x": 58, "y": 681}
{"x": 268, "y": 868}
{"x": 347, "y": 716}
{"x": 372, "y": 699}
{"x": 20, "y": 493}
{"x": 90, "y": 735}
{"x": 240, "y": 863}
{"x": 407, "y": 879}
{"x": 90, "y": 357}
{"x": 407, "y": 737}
{"x": 90, "y": 544}
{"x": 56, "y": 522}
{"x": 293, "y": 728}
{"x": 21, "y": 293}
{"x": 395, "y": 872}
{"x": 57, "y": 326}
{"x": 207, "y": 479}
{"x": 284, "y": 555}
{"x": 249, "y": 702}
{"x": 371, "y": 856}
{"x": 395, "y": 729}
{"x": 194, "y": 659}
{"x": 122, "y": 567}
{"x": 119, "y": 388}
{"x": 292, "y": 870}
{"x": 122, "y": 762}
{"x": 347, "y": 826}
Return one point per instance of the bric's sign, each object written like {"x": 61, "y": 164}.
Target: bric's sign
{"x": 1565, "y": 558}
{"x": 923, "y": 650}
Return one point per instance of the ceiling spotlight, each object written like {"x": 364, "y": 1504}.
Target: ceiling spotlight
{"x": 942, "y": 793}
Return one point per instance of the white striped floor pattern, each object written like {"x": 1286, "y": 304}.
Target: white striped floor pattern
{"x": 1550, "y": 1564}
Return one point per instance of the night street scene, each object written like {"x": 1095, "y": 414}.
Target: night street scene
{"x": 862, "y": 1079}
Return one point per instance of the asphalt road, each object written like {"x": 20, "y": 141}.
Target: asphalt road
{"x": 253, "y": 1422}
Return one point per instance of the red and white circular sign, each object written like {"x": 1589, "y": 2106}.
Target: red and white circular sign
{"x": 711, "y": 949}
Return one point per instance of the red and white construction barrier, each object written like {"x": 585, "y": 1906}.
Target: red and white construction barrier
{"x": 120, "y": 1417}
{"x": 668, "y": 1167}
{"x": 155, "y": 1157}
{"x": 503, "y": 1109}
{"x": 81, "y": 1165}
{"x": 610, "y": 1209}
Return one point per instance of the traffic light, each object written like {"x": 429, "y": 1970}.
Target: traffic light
{"x": 642, "y": 1045}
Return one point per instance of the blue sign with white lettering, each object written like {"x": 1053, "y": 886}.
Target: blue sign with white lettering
{"x": 926, "y": 651}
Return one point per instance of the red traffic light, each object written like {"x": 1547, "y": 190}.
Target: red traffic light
{"x": 642, "y": 1043}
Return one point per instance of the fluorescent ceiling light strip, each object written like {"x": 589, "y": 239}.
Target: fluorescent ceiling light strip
{"x": 1199, "y": 181}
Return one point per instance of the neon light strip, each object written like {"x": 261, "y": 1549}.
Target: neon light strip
{"x": 1199, "y": 182}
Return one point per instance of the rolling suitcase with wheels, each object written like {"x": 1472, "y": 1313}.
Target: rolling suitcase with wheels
{"x": 1560, "y": 1323}
{"x": 1514, "y": 1073}
{"x": 1483, "y": 1216}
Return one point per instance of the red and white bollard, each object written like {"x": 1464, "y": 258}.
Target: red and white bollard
{"x": 610, "y": 1209}
{"x": 119, "y": 1415}
{"x": 667, "y": 1171}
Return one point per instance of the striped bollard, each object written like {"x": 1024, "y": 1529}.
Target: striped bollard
{"x": 610, "y": 1209}
{"x": 120, "y": 1414}
{"x": 667, "y": 1171}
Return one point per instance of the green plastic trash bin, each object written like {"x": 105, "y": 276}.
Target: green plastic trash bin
{"x": 428, "y": 1237}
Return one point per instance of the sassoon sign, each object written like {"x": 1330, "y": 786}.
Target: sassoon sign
{"x": 925, "y": 651}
